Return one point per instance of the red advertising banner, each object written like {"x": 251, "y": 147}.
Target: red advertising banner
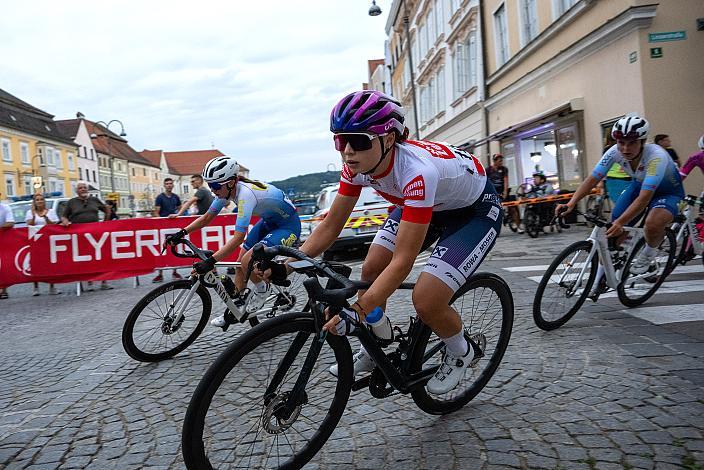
{"x": 101, "y": 250}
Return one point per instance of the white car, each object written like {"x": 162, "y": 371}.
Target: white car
{"x": 366, "y": 219}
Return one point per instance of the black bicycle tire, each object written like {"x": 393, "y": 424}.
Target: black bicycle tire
{"x": 421, "y": 397}
{"x": 543, "y": 324}
{"x": 532, "y": 229}
{"x": 193, "y": 424}
{"x": 128, "y": 342}
{"x": 628, "y": 302}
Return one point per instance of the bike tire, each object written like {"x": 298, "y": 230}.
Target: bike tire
{"x": 623, "y": 287}
{"x": 423, "y": 336}
{"x": 140, "y": 310}
{"x": 244, "y": 350}
{"x": 539, "y": 310}
{"x": 531, "y": 221}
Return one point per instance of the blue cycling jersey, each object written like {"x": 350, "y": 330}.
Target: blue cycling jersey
{"x": 269, "y": 203}
{"x": 656, "y": 171}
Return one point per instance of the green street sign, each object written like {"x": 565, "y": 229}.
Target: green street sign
{"x": 655, "y": 52}
{"x": 669, "y": 36}
{"x": 632, "y": 57}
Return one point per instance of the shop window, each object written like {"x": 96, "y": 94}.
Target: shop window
{"x": 569, "y": 160}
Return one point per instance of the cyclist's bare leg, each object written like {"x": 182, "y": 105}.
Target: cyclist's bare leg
{"x": 431, "y": 297}
{"x": 515, "y": 215}
{"x": 377, "y": 259}
{"x": 655, "y": 226}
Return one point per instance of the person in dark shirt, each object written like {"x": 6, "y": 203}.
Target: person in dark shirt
{"x": 84, "y": 209}
{"x": 113, "y": 210}
{"x": 202, "y": 197}
{"x": 663, "y": 140}
{"x": 166, "y": 204}
{"x": 498, "y": 175}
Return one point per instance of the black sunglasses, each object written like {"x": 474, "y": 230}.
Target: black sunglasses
{"x": 359, "y": 141}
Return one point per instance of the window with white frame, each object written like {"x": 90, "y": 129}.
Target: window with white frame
{"x": 439, "y": 18}
{"x": 24, "y": 153}
{"x": 10, "y": 185}
{"x": 58, "y": 159}
{"x": 49, "y": 151}
{"x": 454, "y": 6}
{"x": 440, "y": 89}
{"x": 432, "y": 30}
{"x": 561, "y": 6}
{"x": 529, "y": 20}
{"x": 501, "y": 35}
{"x": 465, "y": 65}
{"x": 27, "y": 180}
{"x": 69, "y": 157}
{"x": 6, "y": 155}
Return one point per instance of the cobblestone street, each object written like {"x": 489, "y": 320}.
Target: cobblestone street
{"x": 609, "y": 390}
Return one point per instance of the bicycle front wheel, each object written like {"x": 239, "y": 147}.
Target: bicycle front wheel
{"x": 485, "y": 305}
{"x": 564, "y": 286}
{"x": 634, "y": 289}
{"x": 153, "y": 332}
{"x": 240, "y": 415}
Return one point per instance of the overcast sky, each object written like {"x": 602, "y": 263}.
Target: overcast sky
{"x": 256, "y": 80}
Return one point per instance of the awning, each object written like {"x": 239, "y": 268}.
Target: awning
{"x": 576, "y": 104}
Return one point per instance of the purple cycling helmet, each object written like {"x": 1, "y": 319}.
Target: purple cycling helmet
{"x": 367, "y": 111}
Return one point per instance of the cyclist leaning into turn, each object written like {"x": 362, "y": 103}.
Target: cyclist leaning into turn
{"x": 440, "y": 192}
{"x": 656, "y": 184}
{"x": 279, "y": 224}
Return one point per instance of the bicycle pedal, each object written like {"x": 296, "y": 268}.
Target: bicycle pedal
{"x": 361, "y": 383}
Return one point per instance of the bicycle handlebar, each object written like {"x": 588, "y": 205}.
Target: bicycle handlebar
{"x": 334, "y": 297}
{"x": 194, "y": 253}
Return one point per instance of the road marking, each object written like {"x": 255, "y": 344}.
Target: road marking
{"x": 660, "y": 315}
{"x": 542, "y": 267}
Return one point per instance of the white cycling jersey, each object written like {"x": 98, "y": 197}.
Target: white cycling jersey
{"x": 423, "y": 177}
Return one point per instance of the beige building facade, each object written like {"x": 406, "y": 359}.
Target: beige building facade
{"x": 560, "y": 72}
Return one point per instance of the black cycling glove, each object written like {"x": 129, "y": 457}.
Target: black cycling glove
{"x": 278, "y": 272}
{"x": 173, "y": 238}
{"x": 205, "y": 266}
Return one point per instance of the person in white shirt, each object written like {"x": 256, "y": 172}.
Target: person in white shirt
{"x": 7, "y": 220}
{"x": 38, "y": 214}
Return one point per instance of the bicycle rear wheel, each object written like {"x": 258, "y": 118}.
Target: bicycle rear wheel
{"x": 237, "y": 418}
{"x": 151, "y": 333}
{"x": 562, "y": 290}
{"x": 634, "y": 289}
{"x": 485, "y": 305}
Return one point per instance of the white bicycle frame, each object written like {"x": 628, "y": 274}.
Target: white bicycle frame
{"x": 697, "y": 245}
{"x": 600, "y": 247}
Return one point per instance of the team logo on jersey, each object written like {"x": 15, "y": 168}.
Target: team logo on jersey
{"x": 438, "y": 251}
{"x": 415, "y": 189}
{"x": 391, "y": 225}
{"x": 653, "y": 166}
{"x": 435, "y": 149}
{"x": 346, "y": 173}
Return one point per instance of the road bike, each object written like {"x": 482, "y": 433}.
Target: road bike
{"x": 270, "y": 401}
{"x": 569, "y": 279}
{"x": 171, "y": 317}
{"x": 690, "y": 241}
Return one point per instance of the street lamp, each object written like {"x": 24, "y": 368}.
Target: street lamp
{"x": 122, "y": 134}
{"x": 375, "y": 10}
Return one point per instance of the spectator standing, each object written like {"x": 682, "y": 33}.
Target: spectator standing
{"x": 166, "y": 204}
{"x": 663, "y": 140}
{"x": 38, "y": 214}
{"x": 84, "y": 209}
{"x": 7, "y": 221}
{"x": 202, "y": 198}
{"x": 113, "y": 210}
{"x": 498, "y": 175}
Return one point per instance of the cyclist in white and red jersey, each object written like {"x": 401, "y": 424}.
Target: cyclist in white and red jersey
{"x": 440, "y": 192}
{"x": 656, "y": 184}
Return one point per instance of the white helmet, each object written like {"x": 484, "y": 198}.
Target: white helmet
{"x": 221, "y": 169}
{"x": 701, "y": 142}
{"x": 630, "y": 127}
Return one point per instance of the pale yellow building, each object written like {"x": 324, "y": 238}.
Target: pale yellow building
{"x": 31, "y": 145}
{"x": 560, "y": 72}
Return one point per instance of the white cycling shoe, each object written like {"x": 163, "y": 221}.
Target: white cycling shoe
{"x": 219, "y": 321}
{"x": 642, "y": 263}
{"x": 255, "y": 300}
{"x": 450, "y": 372}
{"x": 362, "y": 361}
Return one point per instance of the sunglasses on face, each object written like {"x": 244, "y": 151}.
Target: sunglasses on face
{"x": 217, "y": 186}
{"x": 359, "y": 141}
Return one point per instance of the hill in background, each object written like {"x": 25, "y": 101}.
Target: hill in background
{"x": 307, "y": 185}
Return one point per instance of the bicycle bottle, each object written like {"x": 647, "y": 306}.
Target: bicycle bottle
{"x": 229, "y": 285}
{"x": 380, "y": 324}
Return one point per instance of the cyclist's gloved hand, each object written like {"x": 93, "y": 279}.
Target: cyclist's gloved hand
{"x": 174, "y": 238}
{"x": 275, "y": 273}
{"x": 202, "y": 267}
{"x": 337, "y": 326}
